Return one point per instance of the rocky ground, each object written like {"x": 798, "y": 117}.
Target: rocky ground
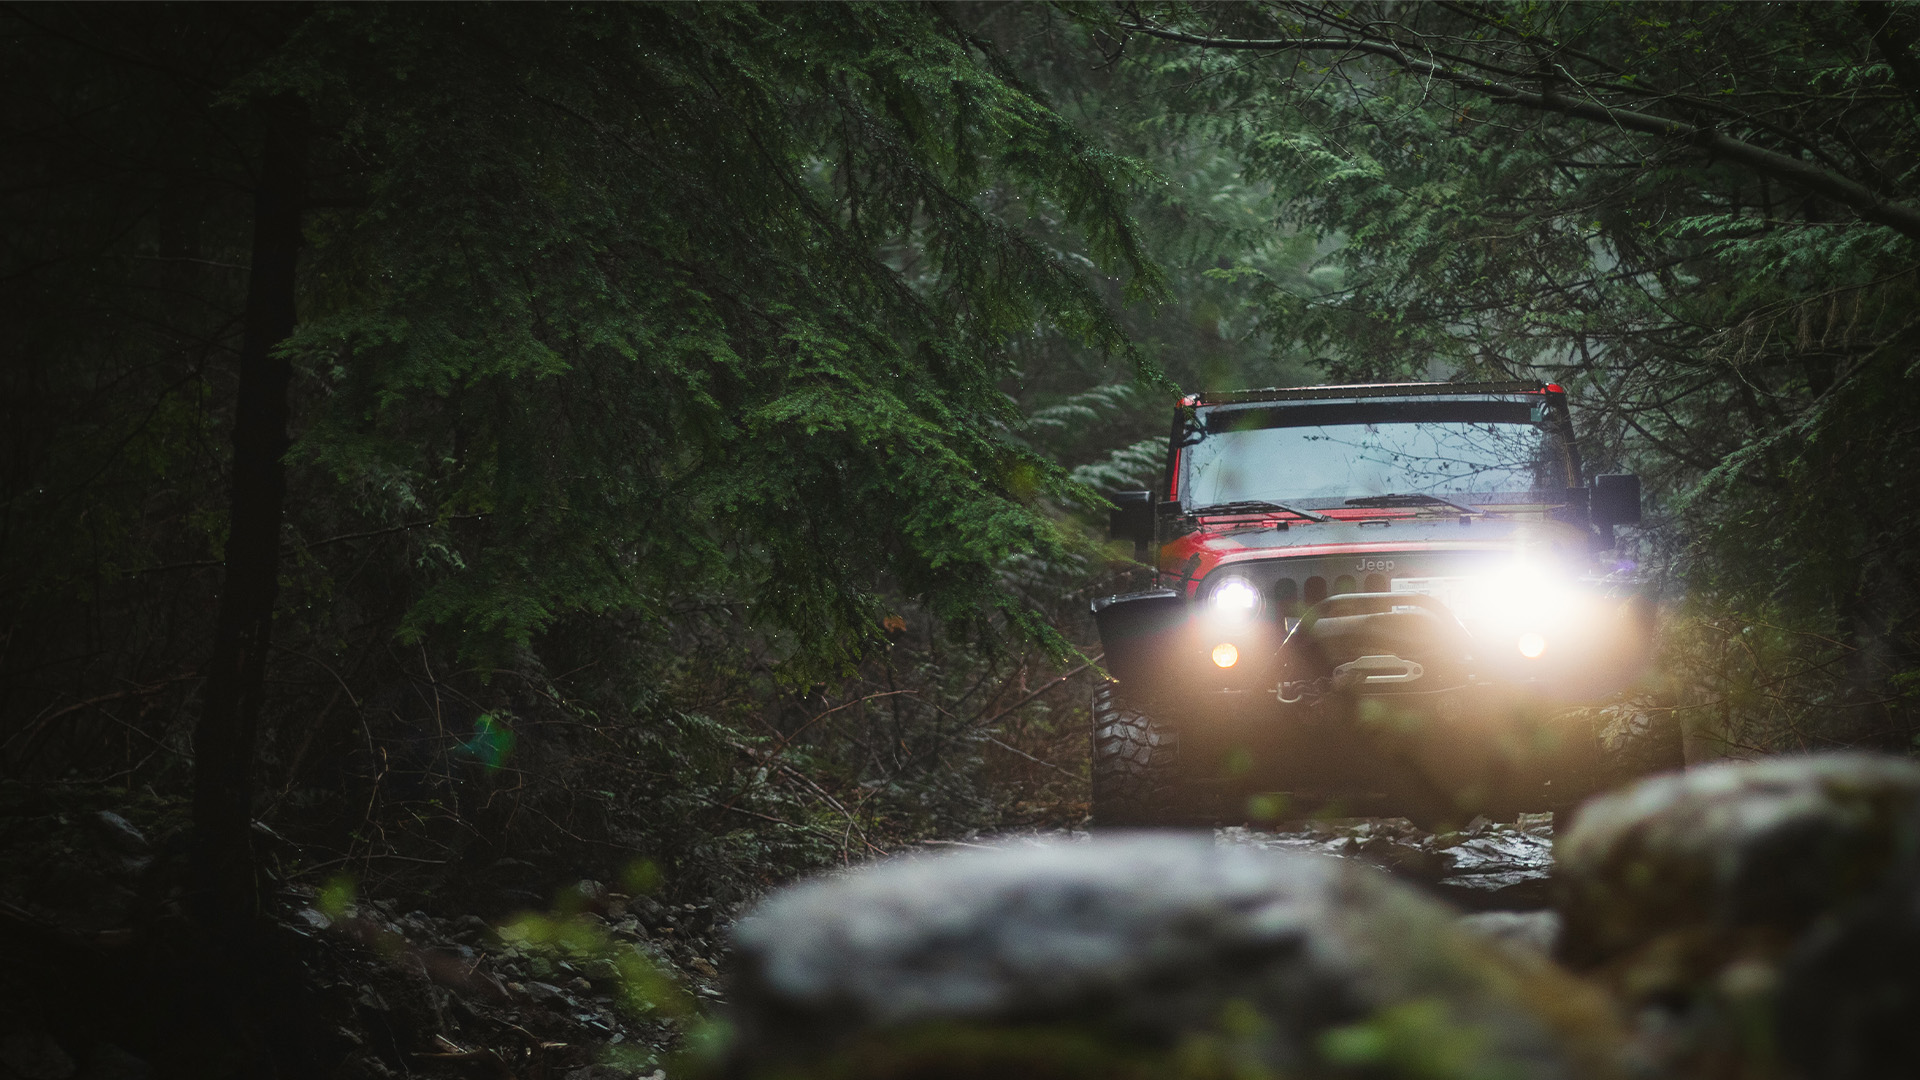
{"x": 1487, "y": 866}
{"x": 600, "y": 982}
{"x": 1145, "y": 955}
{"x": 1748, "y": 921}
{"x": 98, "y": 961}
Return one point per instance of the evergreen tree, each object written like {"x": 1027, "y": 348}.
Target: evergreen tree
{"x": 674, "y": 297}
{"x": 1699, "y": 218}
{"x": 603, "y": 312}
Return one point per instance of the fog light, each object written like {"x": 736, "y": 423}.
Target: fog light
{"x": 1225, "y": 654}
{"x": 1531, "y": 645}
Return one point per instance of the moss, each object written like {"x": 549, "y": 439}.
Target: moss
{"x": 950, "y": 1051}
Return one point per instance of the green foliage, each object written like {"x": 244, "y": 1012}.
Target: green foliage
{"x": 647, "y": 358}
{"x": 681, "y": 299}
{"x": 1203, "y": 219}
{"x": 1725, "y": 329}
{"x": 1418, "y": 1039}
{"x": 584, "y": 944}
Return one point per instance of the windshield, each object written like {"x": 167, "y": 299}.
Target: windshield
{"x": 1323, "y": 454}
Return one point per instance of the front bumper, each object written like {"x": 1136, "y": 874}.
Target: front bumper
{"x": 1358, "y": 708}
{"x": 1493, "y": 746}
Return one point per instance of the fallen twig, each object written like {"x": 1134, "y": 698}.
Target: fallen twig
{"x": 1030, "y": 757}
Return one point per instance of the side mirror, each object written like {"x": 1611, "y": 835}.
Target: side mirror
{"x": 1615, "y": 500}
{"x": 1132, "y": 519}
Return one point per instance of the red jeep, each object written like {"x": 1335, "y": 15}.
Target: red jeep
{"x": 1374, "y": 599}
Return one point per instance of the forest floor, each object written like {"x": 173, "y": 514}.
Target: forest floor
{"x": 600, "y": 984}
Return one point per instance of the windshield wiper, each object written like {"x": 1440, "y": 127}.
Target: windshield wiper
{"x": 1253, "y": 506}
{"x": 1413, "y": 499}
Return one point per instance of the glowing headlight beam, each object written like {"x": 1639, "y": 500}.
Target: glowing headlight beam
{"x": 1531, "y": 645}
{"x": 1235, "y": 596}
{"x": 1225, "y": 655}
{"x": 1520, "y": 599}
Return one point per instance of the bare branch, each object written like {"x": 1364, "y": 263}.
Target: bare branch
{"x": 1862, "y": 200}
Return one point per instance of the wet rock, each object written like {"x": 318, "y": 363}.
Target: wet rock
{"x": 1503, "y": 868}
{"x": 312, "y": 919}
{"x": 1136, "y": 953}
{"x": 1487, "y": 866}
{"x": 1754, "y": 911}
{"x": 119, "y": 832}
{"x": 1535, "y": 930}
{"x": 1766, "y": 845}
{"x": 601, "y": 969}
{"x": 549, "y": 994}
{"x": 1849, "y": 990}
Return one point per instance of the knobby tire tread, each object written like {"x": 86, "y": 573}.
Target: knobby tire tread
{"x": 1135, "y": 766}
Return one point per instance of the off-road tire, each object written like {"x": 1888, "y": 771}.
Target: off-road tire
{"x": 1136, "y": 766}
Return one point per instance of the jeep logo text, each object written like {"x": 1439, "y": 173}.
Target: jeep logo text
{"x": 1374, "y": 564}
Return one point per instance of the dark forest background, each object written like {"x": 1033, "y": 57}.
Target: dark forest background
{"x": 479, "y": 441}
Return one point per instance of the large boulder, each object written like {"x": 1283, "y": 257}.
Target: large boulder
{"x": 1849, "y": 991}
{"x": 1757, "y": 911}
{"x": 1726, "y": 849}
{"x": 1143, "y": 956}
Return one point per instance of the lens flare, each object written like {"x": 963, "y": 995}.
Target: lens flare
{"x": 1520, "y": 593}
{"x": 1531, "y": 645}
{"x": 1225, "y": 655}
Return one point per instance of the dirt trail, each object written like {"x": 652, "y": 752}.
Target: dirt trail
{"x": 1487, "y": 866}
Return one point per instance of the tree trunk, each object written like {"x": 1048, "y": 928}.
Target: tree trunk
{"x": 224, "y": 740}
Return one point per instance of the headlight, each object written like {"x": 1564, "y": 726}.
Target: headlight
{"x": 1526, "y": 610}
{"x": 1234, "y": 597}
{"x": 1527, "y": 596}
{"x": 1530, "y": 606}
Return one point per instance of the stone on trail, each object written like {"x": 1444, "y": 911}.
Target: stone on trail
{"x": 1143, "y": 955}
{"x": 1484, "y": 867}
{"x": 1760, "y": 912}
{"x": 1536, "y": 930}
{"x": 119, "y": 832}
{"x": 1767, "y": 844}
